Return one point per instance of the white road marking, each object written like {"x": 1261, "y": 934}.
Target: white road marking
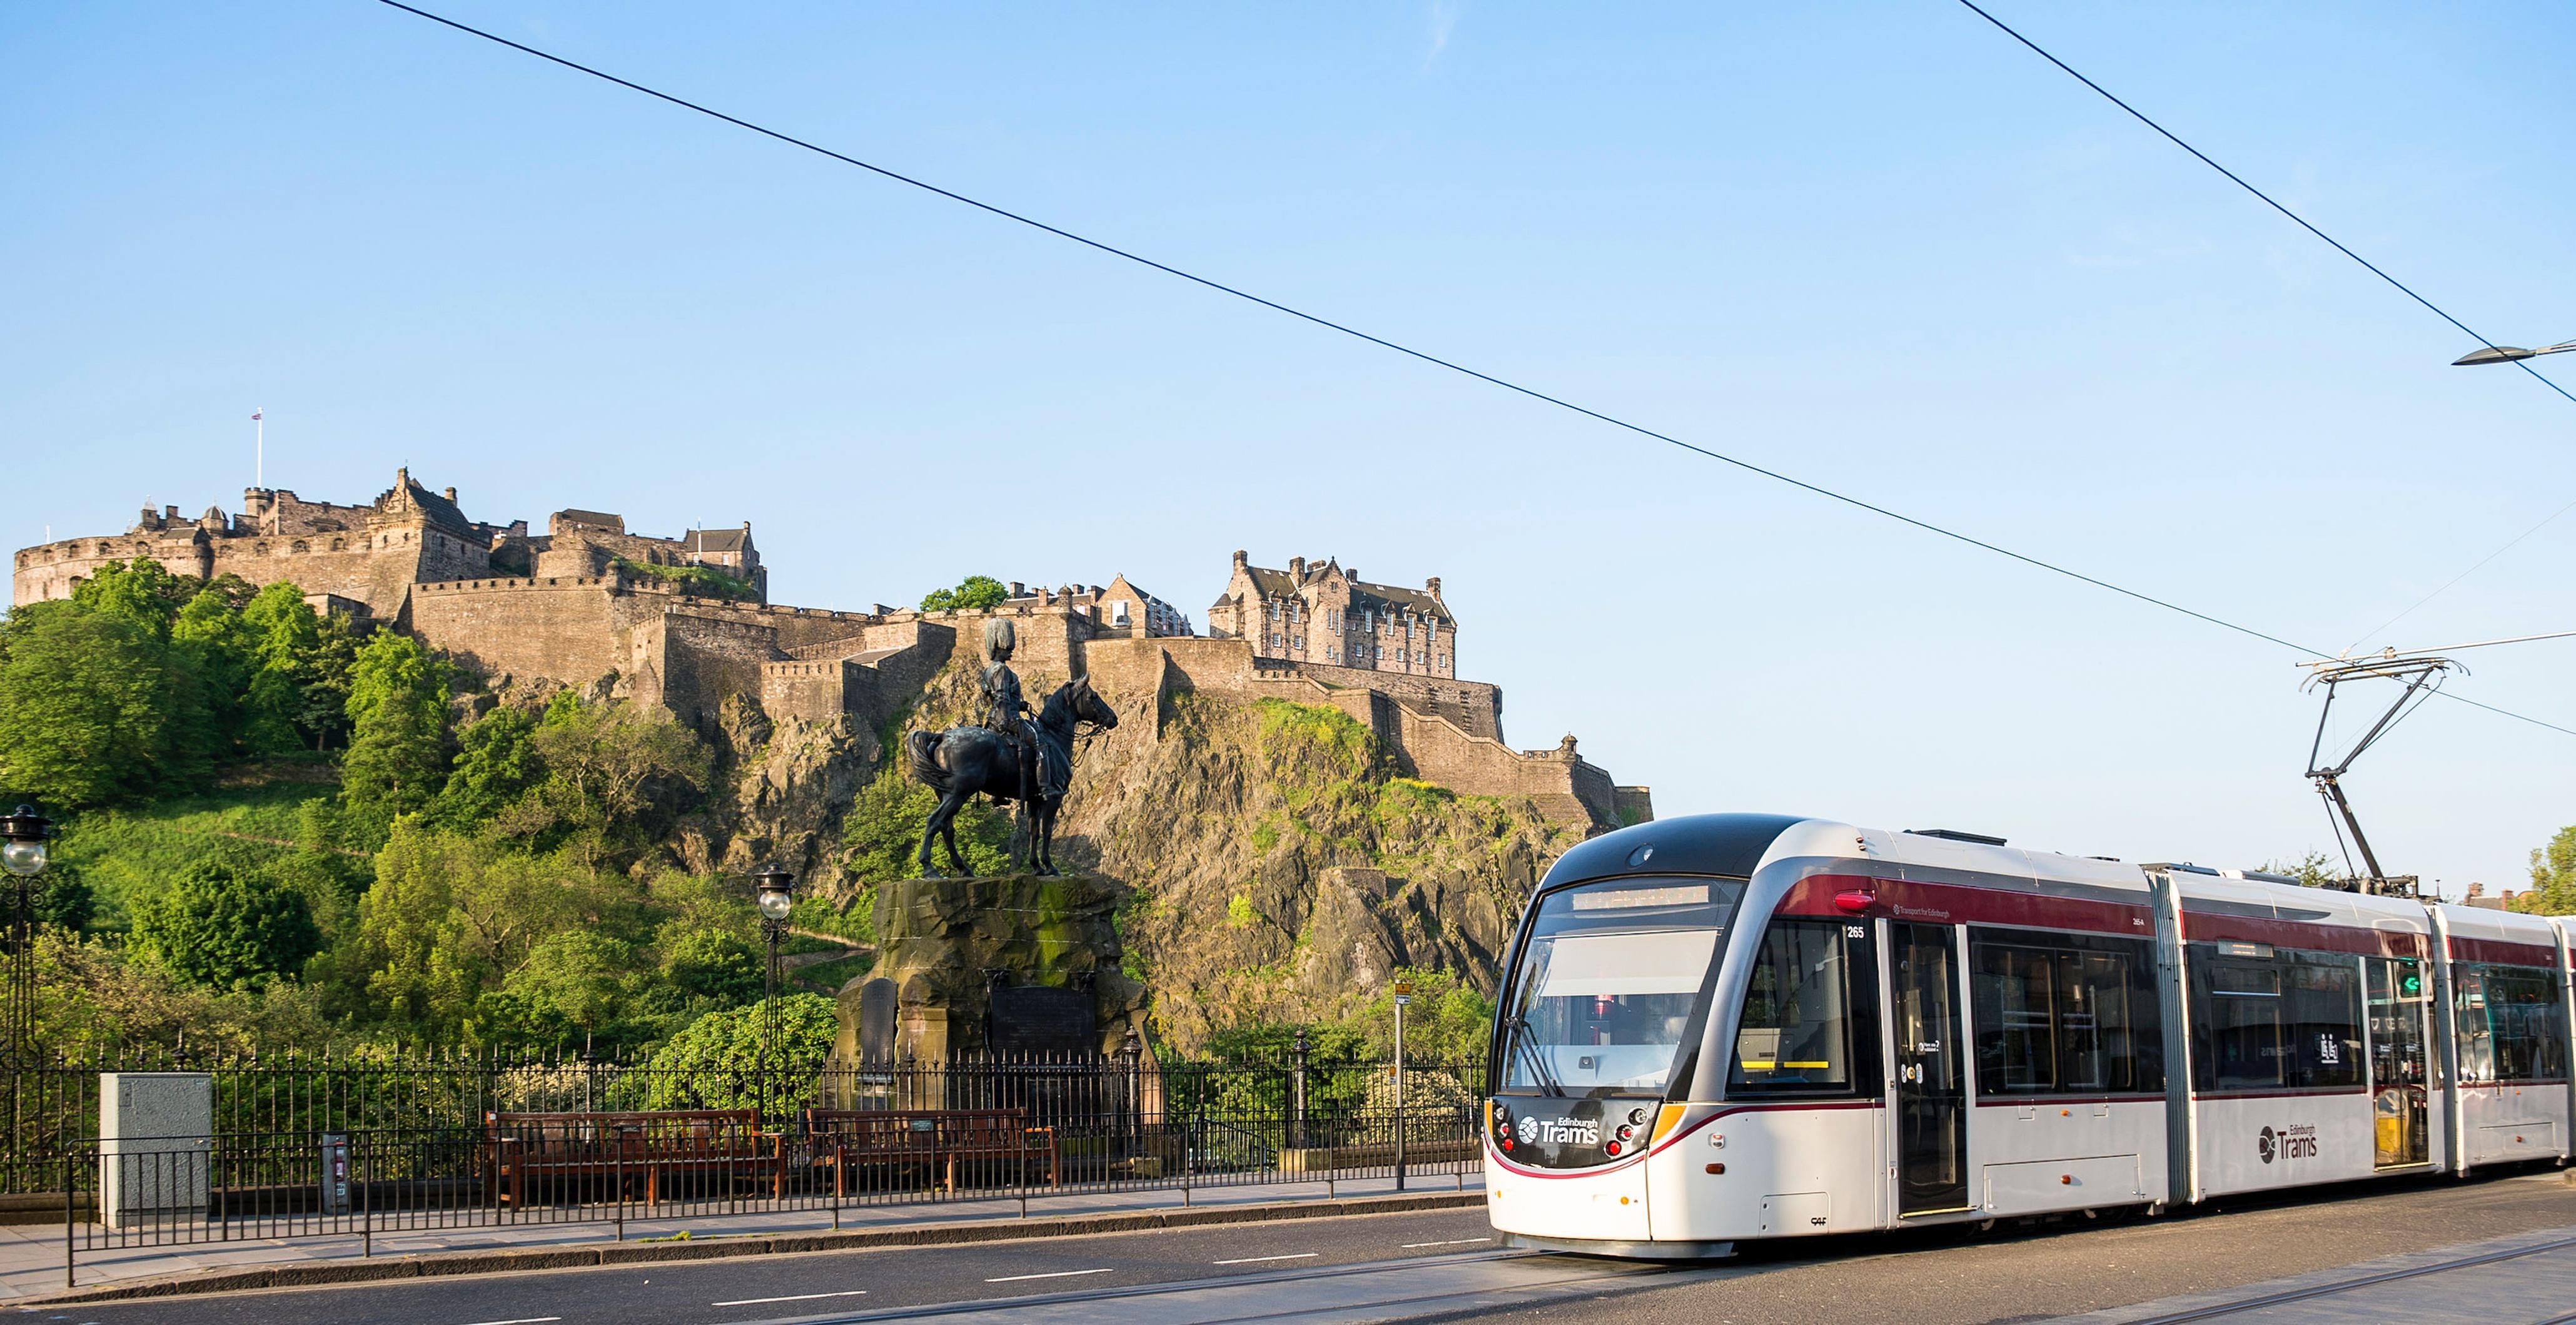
{"x": 800, "y": 1297}
{"x": 1453, "y": 1242}
{"x": 1250, "y": 1260}
{"x": 523, "y": 1320}
{"x": 1015, "y": 1278}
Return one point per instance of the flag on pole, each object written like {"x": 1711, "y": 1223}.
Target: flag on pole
{"x": 254, "y": 416}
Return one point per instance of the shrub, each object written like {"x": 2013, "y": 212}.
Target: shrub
{"x": 704, "y": 581}
{"x": 973, "y": 592}
{"x": 224, "y": 923}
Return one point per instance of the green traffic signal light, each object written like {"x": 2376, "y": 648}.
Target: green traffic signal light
{"x": 2413, "y": 984}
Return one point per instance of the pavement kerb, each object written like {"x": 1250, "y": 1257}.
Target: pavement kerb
{"x": 308, "y": 1274}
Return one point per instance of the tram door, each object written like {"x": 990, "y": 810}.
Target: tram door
{"x": 2399, "y": 1085}
{"x": 1931, "y": 1081}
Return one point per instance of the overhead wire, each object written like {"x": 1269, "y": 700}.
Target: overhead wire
{"x": 2303, "y": 223}
{"x": 1380, "y": 341}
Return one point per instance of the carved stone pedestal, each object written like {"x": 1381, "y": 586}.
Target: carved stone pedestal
{"x": 950, "y": 948}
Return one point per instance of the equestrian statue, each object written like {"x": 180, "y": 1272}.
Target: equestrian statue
{"x": 1007, "y": 757}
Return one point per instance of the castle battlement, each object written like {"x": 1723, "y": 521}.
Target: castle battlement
{"x": 570, "y": 607}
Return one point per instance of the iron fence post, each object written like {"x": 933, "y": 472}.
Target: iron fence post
{"x": 69, "y": 1158}
{"x": 1399, "y": 1086}
{"x": 1297, "y": 1091}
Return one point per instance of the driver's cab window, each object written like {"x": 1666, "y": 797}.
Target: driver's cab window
{"x": 1809, "y": 1022}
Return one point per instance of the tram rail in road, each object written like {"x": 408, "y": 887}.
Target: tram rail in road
{"x": 1411, "y": 1287}
{"x": 2342, "y": 1283}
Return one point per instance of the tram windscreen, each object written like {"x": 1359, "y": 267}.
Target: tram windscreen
{"x": 1612, "y": 980}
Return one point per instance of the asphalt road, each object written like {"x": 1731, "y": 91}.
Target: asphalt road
{"x": 1441, "y": 1265}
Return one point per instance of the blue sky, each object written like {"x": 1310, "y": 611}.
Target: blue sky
{"x": 1874, "y": 245}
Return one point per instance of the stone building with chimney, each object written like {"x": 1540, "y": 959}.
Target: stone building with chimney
{"x": 1116, "y": 607}
{"x": 1319, "y": 612}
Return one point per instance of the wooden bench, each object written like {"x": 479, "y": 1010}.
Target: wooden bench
{"x": 847, "y": 1139}
{"x": 658, "y": 1146}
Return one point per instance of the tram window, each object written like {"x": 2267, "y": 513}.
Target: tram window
{"x": 2512, "y": 1026}
{"x": 2073, "y": 1015}
{"x": 1610, "y": 990}
{"x": 1809, "y": 1022}
{"x": 2267, "y": 1019}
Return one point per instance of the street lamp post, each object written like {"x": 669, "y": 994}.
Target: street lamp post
{"x": 23, "y": 855}
{"x": 2509, "y": 354}
{"x": 775, "y": 891}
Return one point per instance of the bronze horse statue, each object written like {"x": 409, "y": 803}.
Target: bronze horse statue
{"x": 962, "y": 761}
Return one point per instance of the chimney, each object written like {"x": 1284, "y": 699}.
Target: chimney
{"x": 1297, "y": 569}
{"x": 1019, "y": 590}
{"x": 1433, "y": 585}
{"x": 169, "y": 512}
{"x": 1351, "y": 573}
{"x": 1240, "y": 560}
{"x": 451, "y": 496}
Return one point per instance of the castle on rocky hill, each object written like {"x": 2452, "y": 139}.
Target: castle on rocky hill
{"x": 686, "y": 623}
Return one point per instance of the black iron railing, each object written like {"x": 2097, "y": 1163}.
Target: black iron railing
{"x": 313, "y": 1148}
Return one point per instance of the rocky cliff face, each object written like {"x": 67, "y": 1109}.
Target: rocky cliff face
{"x": 1274, "y": 868}
{"x": 1282, "y": 873}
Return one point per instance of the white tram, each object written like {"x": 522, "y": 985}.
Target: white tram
{"x": 1750, "y": 1026}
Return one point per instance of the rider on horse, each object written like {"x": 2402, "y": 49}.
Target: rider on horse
{"x": 1004, "y": 712}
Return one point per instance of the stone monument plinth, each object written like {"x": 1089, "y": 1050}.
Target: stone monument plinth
{"x": 1014, "y": 964}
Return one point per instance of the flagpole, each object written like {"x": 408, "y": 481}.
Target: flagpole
{"x": 259, "y": 466}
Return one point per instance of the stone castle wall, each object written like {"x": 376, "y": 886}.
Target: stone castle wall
{"x": 414, "y": 562}
{"x": 1139, "y": 675}
{"x": 571, "y": 631}
{"x": 377, "y": 567}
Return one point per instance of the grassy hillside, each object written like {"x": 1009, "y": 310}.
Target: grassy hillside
{"x": 126, "y": 855}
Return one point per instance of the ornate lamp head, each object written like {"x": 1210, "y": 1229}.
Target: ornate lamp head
{"x": 775, "y": 891}
{"x": 22, "y": 841}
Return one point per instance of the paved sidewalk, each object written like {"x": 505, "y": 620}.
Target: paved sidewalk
{"x": 32, "y": 1261}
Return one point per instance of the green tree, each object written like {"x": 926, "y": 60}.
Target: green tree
{"x": 718, "y": 965}
{"x": 397, "y": 758}
{"x": 2313, "y": 870}
{"x": 223, "y": 923}
{"x": 2553, "y": 877}
{"x": 496, "y": 762}
{"x": 142, "y": 592}
{"x": 617, "y": 776}
{"x": 209, "y": 640}
{"x": 973, "y": 592}
{"x": 285, "y": 637}
{"x": 883, "y": 832}
{"x": 89, "y": 709}
{"x": 572, "y": 985}
{"x": 451, "y": 917}
{"x": 63, "y": 897}
{"x": 713, "y": 1063}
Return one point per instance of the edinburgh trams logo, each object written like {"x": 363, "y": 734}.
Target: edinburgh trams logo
{"x": 2294, "y": 1142}
{"x": 1560, "y": 1131}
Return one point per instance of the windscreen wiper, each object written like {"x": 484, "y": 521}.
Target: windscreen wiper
{"x": 1520, "y": 1026}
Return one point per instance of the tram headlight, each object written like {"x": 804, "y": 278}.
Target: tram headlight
{"x": 1626, "y": 1131}
{"x": 1611, "y": 1148}
{"x": 1637, "y": 1115}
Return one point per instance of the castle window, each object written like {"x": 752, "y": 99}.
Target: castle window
{"x": 339, "y": 544}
